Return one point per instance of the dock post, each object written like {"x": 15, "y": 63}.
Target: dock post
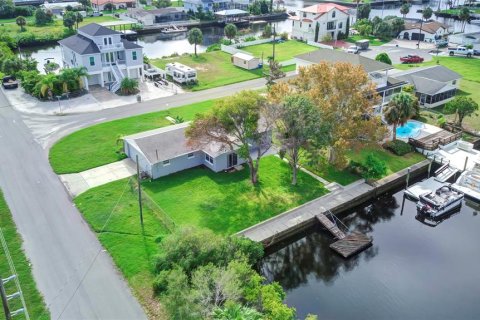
{"x": 408, "y": 177}
{"x": 429, "y": 168}
{"x": 465, "y": 165}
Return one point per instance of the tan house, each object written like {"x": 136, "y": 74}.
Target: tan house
{"x": 245, "y": 61}
{"x": 426, "y": 31}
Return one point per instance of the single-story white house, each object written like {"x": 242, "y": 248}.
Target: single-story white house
{"x": 116, "y": 4}
{"x": 434, "y": 86}
{"x": 430, "y": 31}
{"x": 245, "y": 61}
{"x": 165, "y": 151}
{"x": 59, "y": 7}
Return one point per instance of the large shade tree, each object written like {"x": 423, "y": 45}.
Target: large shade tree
{"x": 230, "y": 31}
{"x": 344, "y": 95}
{"x": 236, "y": 123}
{"x": 300, "y": 127}
{"x": 400, "y": 109}
{"x": 195, "y": 37}
{"x": 463, "y": 107}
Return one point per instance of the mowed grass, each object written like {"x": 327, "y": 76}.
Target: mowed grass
{"x": 99, "y": 144}
{"x": 374, "y": 41}
{"x": 214, "y": 69}
{"x": 227, "y": 202}
{"x": 283, "y": 51}
{"x": 344, "y": 177}
{"x": 34, "y": 300}
{"x": 112, "y": 212}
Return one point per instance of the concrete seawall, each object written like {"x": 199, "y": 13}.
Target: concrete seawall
{"x": 291, "y": 222}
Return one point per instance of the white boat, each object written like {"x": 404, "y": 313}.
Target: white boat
{"x": 469, "y": 182}
{"x": 475, "y": 21}
{"x": 174, "y": 29}
{"x": 436, "y": 203}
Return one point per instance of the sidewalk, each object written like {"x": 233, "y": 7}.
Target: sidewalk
{"x": 77, "y": 183}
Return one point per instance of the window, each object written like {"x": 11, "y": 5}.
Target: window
{"x": 309, "y": 25}
{"x": 109, "y": 40}
{"x": 104, "y": 41}
{"x": 208, "y": 158}
{"x": 166, "y": 162}
{"x": 333, "y": 14}
{"x": 92, "y": 61}
{"x": 304, "y": 15}
{"x": 190, "y": 155}
{"x": 300, "y": 24}
{"x": 340, "y": 25}
{"x": 134, "y": 55}
{"x": 330, "y": 25}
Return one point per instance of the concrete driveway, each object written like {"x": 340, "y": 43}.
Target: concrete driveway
{"x": 395, "y": 53}
{"x": 77, "y": 183}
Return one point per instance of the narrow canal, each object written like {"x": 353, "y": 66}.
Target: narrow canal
{"x": 412, "y": 271}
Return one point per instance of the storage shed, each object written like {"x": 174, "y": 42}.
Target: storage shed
{"x": 245, "y": 61}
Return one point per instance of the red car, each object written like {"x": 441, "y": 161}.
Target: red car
{"x": 411, "y": 59}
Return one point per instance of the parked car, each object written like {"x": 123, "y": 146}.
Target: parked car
{"x": 411, "y": 59}
{"x": 9, "y": 82}
{"x": 352, "y": 49}
{"x": 476, "y": 52}
{"x": 96, "y": 14}
{"x": 441, "y": 43}
{"x": 460, "y": 51}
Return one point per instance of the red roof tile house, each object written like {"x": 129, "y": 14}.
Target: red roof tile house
{"x": 315, "y": 22}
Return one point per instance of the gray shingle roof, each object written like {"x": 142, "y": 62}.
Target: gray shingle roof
{"x": 80, "y": 44}
{"x": 130, "y": 45}
{"x": 333, "y": 56}
{"x": 94, "y": 29}
{"x": 438, "y": 73}
{"x": 429, "y": 86}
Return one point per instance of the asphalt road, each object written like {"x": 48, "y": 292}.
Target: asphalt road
{"x": 72, "y": 271}
{"x": 76, "y": 276}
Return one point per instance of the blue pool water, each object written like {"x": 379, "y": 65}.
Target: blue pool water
{"x": 409, "y": 130}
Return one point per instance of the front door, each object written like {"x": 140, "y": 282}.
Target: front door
{"x": 232, "y": 160}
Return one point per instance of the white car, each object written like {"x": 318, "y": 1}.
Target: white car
{"x": 352, "y": 49}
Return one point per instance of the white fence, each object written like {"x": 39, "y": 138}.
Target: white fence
{"x": 235, "y": 48}
{"x": 319, "y": 45}
{"x": 231, "y": 49}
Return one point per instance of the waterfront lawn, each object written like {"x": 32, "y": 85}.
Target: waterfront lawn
{"x": 97, "y": 145}
{"x": 283, "y": 51}
{"x": 214, "y": 69}
{"x": 374, "y": 41}
{"x": 112, "y": 212}
{"x": 344, "y": 176}
{"x": 35, "y": 304}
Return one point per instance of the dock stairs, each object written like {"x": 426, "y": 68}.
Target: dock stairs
{"x": 444, "y": 173}
{"x": 118, "y": 75}
{"x": 348, "y": 243}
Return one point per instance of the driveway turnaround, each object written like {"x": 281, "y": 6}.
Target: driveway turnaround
{"x": 75, "y": 275}
{"x": 77, "y": 183}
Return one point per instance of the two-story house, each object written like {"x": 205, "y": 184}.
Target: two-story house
{"x": 377, "y": 71}
{"x": 207, "y": 5}
{"x": 315, "y": 22}
{"x": 107, "y": 57}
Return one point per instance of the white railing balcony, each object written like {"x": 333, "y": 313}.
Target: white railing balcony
{"x": 117, "y": 62}
{"x": 113, "y": 46}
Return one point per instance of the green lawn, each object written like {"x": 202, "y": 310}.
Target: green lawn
{"x": 35, "y": 305}
{"x": 344, "y": 177}
{"x": 215, "y": 69}
{"x": 374, "y": 41}
{"x": 97, "y": 145}
{"x": 283, "y": 51}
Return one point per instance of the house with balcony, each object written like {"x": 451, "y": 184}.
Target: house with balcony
{"x": 377, "y": 71}
{"x": 107, "y": 57}
{"x": 315, "y": 22}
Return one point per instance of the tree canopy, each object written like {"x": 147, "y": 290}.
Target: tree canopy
{"x": 363, "y": 11}
{"x": 405, "y": 9}
{"x": 427, "y": 13}
{"x": 230, "y": 31}
{"x": 195, "y": 37}
{"x": 463, "y": 107}
{"x": 400, "y": 109}
{"x": 383, "y": 57}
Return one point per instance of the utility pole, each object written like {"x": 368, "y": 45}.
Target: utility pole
{"x": 139, "y": 192}
{"x": 274, "y": 34}
{"x": 420, "y": 35}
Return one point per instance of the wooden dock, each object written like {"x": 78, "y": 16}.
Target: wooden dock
{"x": 351, "y": 244}
{"x": 347, "y": 245}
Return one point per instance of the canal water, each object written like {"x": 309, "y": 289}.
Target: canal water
{"x": 412, "y": 271}
{"x": 159, "y": 45}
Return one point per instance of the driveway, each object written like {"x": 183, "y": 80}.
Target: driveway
{"x": 395, "y": 53}
{"x": 77, "y": 183}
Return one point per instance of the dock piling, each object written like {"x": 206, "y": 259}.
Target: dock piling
{"x": 408, "y": 177}
{"x": 465, "y": 165}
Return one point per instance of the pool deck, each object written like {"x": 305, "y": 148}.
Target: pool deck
{"x": 424, "y": 131}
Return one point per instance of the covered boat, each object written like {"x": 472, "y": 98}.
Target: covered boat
{"x": 437, "y": 203}
{"x": 469, "y": 182}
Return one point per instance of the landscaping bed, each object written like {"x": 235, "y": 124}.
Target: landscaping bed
{"x": 99, "y": 144}
{"x": 33, "y": 299}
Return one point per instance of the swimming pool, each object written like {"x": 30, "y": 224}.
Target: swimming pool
{"x": 409, "y": 130}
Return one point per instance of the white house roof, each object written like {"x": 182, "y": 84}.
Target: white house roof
{"x": 61, "y": 5}
{"x": 179, "y": 66}
{"x": 244, "y": 56}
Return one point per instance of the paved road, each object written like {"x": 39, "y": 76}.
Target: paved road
{"x": 48, "y": 129}
{"x": 58, "y": 242}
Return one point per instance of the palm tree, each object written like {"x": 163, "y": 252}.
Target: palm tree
{"x": 80, "y": 73}
{"x": 195, "y": 37}
{"x": 404, "y": 9}
{"x": 399, "y": 110}
{"x": 47, "y": 83}
{"x": 21, "y": 22}
{"x": 464, "y": 16}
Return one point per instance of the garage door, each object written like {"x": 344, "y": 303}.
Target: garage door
{"x": 415, "y": 36}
